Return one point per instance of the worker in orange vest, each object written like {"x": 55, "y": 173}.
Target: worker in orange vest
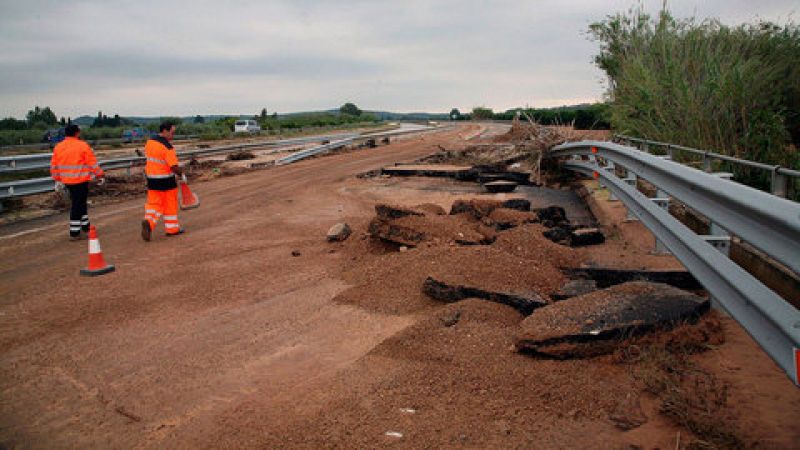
{"x": 72, "y": 166}
{"x": 162, "y": 188}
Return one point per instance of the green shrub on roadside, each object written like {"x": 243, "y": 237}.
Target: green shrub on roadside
{"x": 733, "y": 90}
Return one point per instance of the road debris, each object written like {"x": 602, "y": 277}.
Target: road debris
{"x": 500, "y": 186}
{"x": 591, "y": 324}
{"x": 339, "y": 232}
{"x": 449, "y": 293}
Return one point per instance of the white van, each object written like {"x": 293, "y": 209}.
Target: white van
{"x": 246, "y": 126}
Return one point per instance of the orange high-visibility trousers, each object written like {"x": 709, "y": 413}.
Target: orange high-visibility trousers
{"x": 162, "y": 204}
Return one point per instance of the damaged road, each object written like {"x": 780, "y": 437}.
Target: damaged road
{"x": 265, "y": 326}
{"x": 594, "y": 323}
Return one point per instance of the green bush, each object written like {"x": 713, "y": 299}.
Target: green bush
{"x": 583, "y": 117}
{"x": 482, "y": 113}
{"x": 733, "y": 90}
{"x": 16, "y": 137}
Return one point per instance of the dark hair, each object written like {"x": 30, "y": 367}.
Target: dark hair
{"x": 71, "y": 130}
{"x": 165, "y": 126}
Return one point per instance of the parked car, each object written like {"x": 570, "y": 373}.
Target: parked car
{"x": 53, "y": 136}
{"x": 136, "y": 134}
{"x": 246, "y": 126}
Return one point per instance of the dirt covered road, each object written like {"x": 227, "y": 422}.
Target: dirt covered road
{"x": 251, "y": 331}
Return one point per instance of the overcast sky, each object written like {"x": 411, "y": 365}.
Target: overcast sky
{"x": 218, "y": 57}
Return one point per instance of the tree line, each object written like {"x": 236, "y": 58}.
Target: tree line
{"x": 582, "y": 117}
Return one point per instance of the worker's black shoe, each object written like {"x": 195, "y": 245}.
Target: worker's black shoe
{"x": 146, "y": 230}
{"x": 180, "y": 231}
{"x": 75, "y": 237}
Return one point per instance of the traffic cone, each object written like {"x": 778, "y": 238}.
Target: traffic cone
{"x": 188, "y": 199}
{"x": 97, "y": 264}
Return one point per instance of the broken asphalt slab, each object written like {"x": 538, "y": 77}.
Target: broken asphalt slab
{"x": 606, "y": 277}
{"x": 431, "y": 170}
{"x": 500, "y": 186}
{"x": 592, "y": 324}
{"x": 449, "y": 293}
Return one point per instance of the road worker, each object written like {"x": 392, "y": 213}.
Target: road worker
{"x": 162, "y": 188}
{"x": 72, "y": 166}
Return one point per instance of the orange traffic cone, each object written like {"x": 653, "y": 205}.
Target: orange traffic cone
{"x": 97, "y": 264}
{"x": 188, "y": 199}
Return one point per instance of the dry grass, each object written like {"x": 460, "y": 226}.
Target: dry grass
{"x": 688, "y": 395}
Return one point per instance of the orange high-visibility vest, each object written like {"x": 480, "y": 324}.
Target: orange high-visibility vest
{"x": 74, "y": 162}
{"x": 161, "y": 157}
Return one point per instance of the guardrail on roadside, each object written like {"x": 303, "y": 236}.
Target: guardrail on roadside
{"x": 93, "y": 142}
{"x": 23, "y": 188}
{"x": 779, "y": 175}
{"x": 297, "y": 156}
{"x": 768, "y": 222}
{"x": 41, "y": 161}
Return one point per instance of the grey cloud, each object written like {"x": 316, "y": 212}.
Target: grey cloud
{"x": 411, "y": 55}
{"x": 127, "y": 67}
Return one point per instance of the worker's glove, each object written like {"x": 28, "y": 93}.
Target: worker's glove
{"x": 60, "y": 187}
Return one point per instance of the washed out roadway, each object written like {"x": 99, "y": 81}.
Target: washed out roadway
{"x": 187, "y": 328}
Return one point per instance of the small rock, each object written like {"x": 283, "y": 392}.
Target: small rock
{"x": 403, "y": 249}
{"x": 339, "y": 232}
{"x": 451, "y": 319}
{"x": 394, "y": 434}
{"x": 586, "y": 236}
{"x": 295, "y": 253}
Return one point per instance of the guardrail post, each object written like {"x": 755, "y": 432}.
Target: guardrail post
{"x": 706, "y": 162}
{"x": 646, "y": 147}
{"x": 630, "y": 179}
{"x": 723, "y": 245}
{"x": 670, "y": 152}
{"x": 780, "y": 183}
{"x": 609, "y": 167}
{"x": 659, "y": 192}
{"x": 716, "y": 230}
{"x": 663, "y": 203}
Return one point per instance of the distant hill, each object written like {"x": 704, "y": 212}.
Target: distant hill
{"x": 86, "y": 121}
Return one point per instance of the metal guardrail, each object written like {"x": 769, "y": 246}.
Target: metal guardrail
{"x": 46, "y": 184}
{"x": 93, "y": 142}
{"x": 297, "y": 156}
{"x": 334, "y": 145}
{"x": 779, "y": 175}
{"x": 769, "y": 223}
{"x": 21, "y": 163}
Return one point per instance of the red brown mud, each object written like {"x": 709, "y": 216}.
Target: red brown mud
{"x": 219, "y": 338}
